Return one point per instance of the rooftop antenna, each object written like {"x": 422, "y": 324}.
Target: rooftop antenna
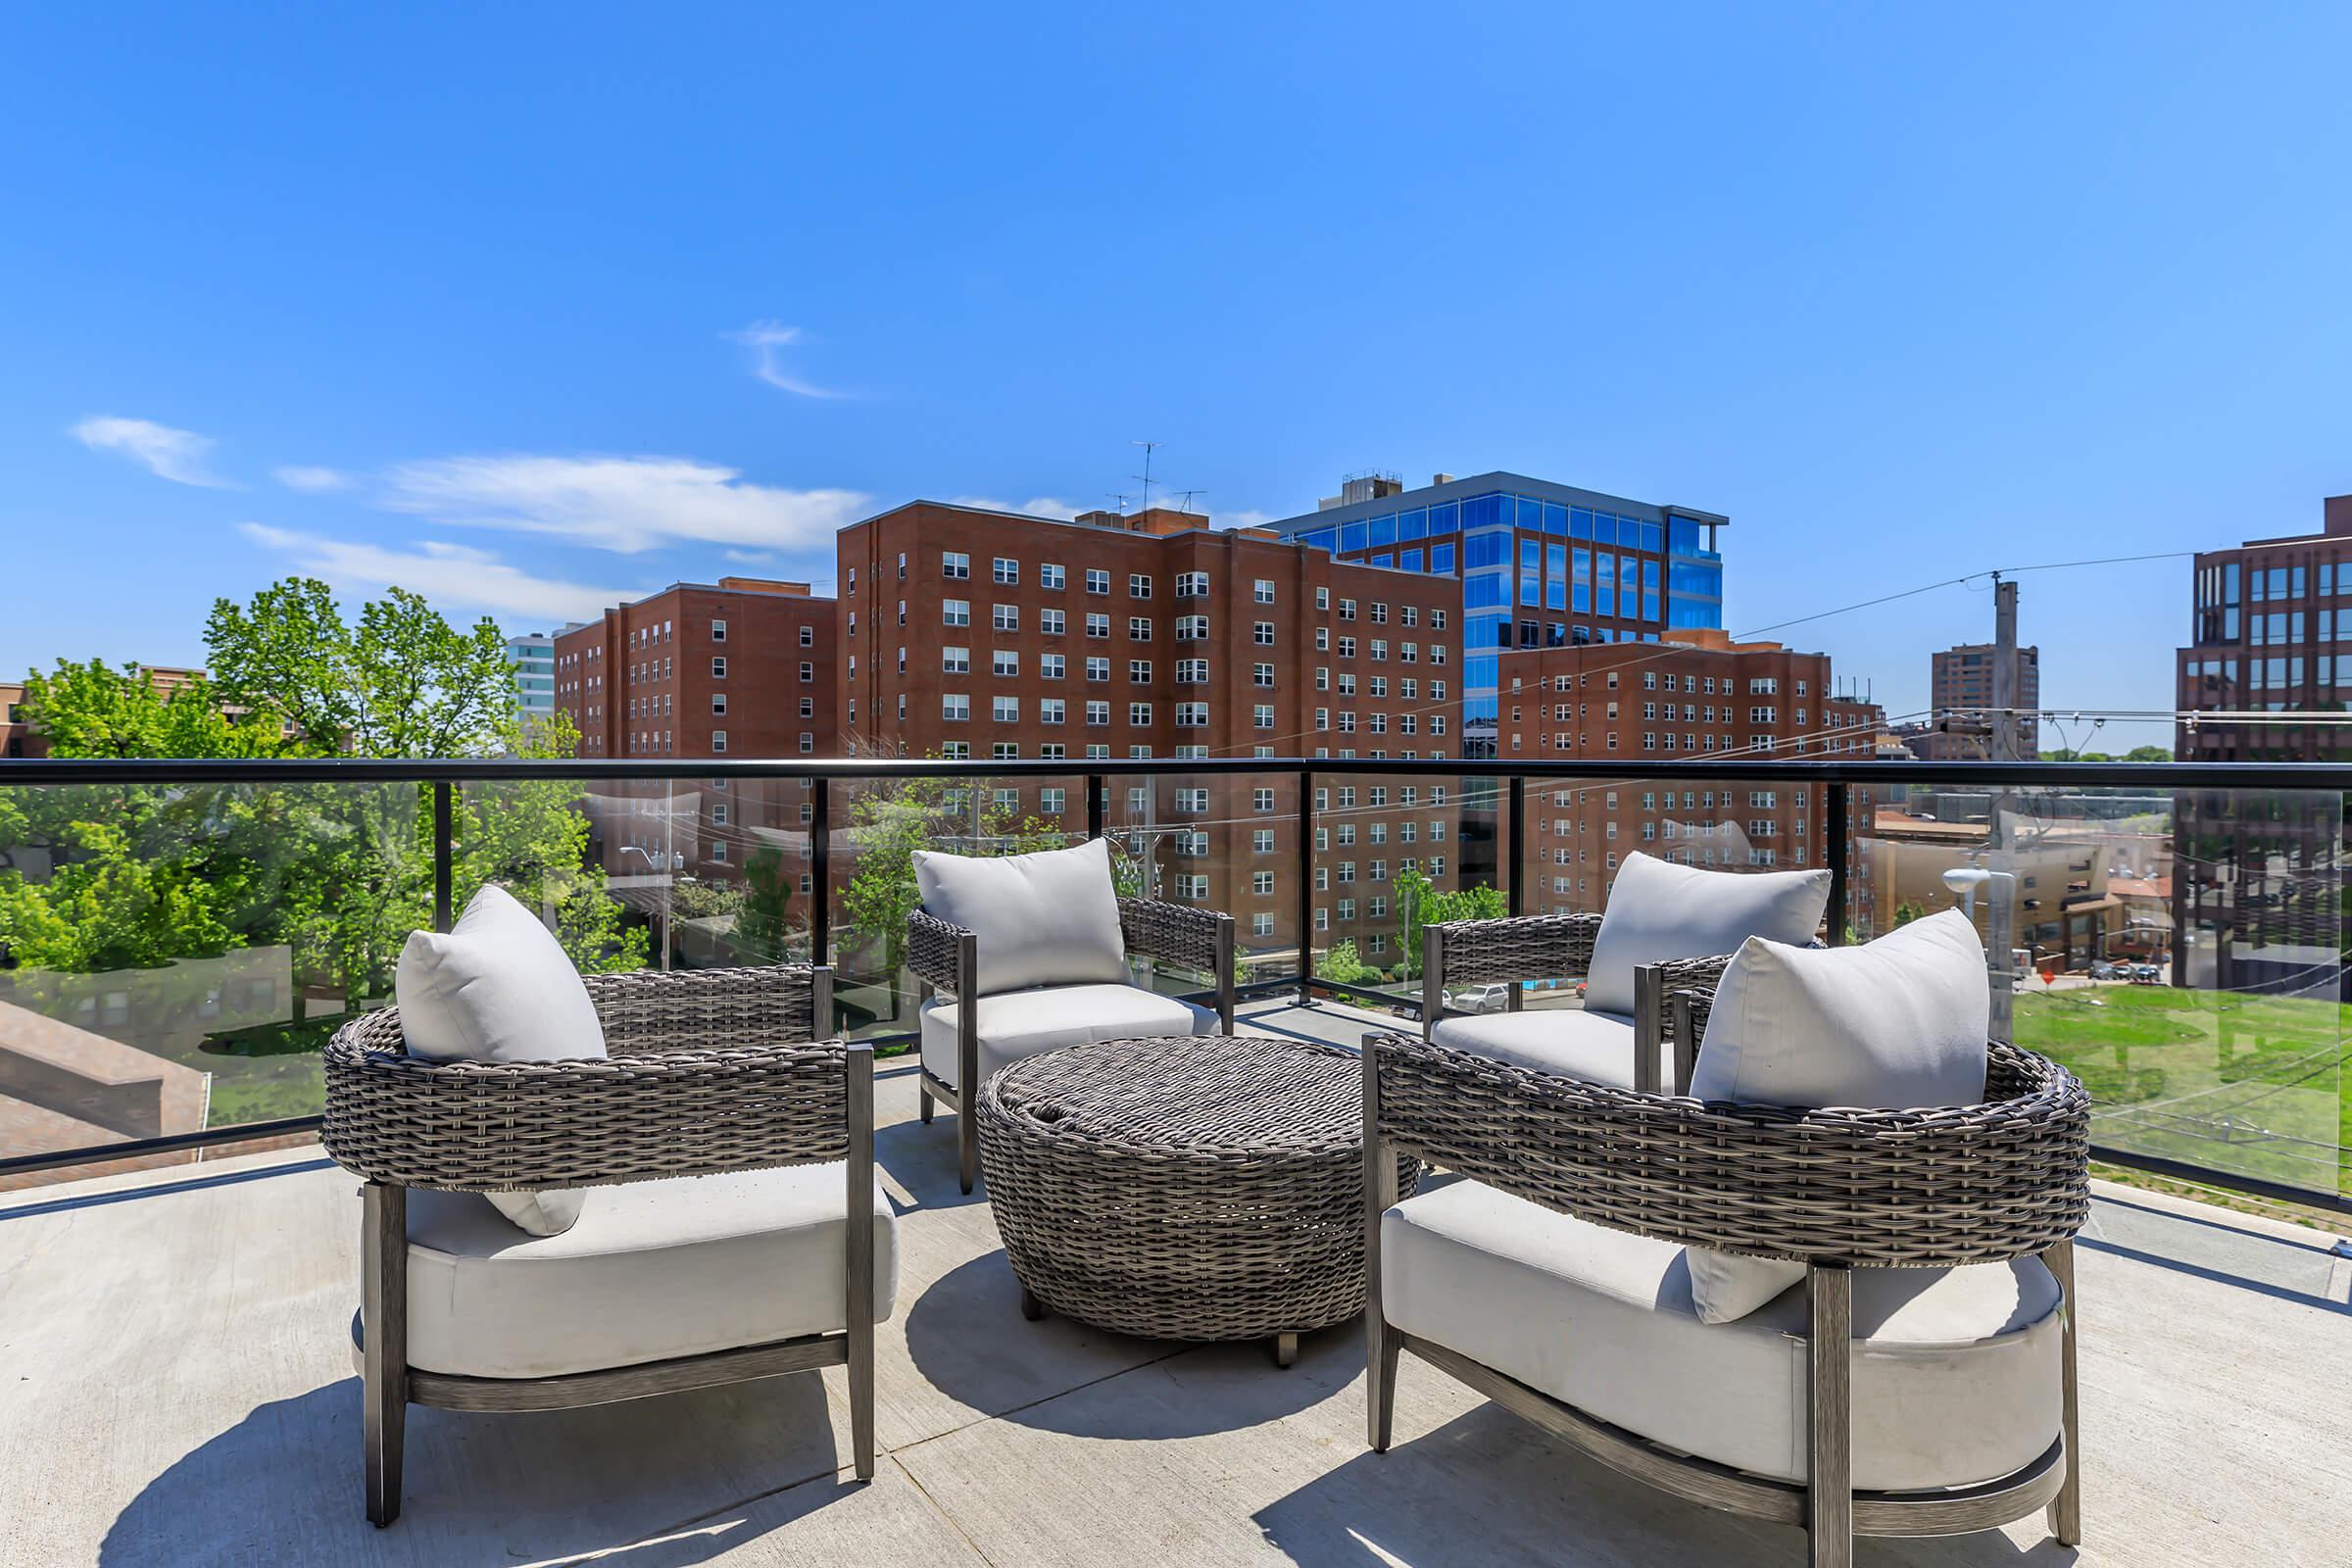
{"x": 1148, "y": 447}
{"x": 1120, "y": 496}
{"x": 1186, "y": 505}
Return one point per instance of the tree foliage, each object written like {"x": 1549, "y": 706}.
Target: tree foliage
{"x": 104, "y": 877}
{"x": 1420, "y": 904}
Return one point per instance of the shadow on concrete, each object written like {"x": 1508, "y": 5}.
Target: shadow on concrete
{"x": 922, "y": 1160}
{"x": 1486, "y": 1488}
{"x": 966, "y": 1335}
{"x": 656, "y": 1483}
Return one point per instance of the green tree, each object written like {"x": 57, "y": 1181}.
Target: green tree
{"x": 1419, "y": 906}
{"x": 762, "y": 923}
{"x": 338, "y": 873}
{"x": 1340, "y": 965}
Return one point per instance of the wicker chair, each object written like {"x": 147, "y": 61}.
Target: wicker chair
{"x": 946, "y": 957}
{"x": 716, "y": 1096}
{"x": 1578, "y": 1174}
{"x": 1559, "y": 947}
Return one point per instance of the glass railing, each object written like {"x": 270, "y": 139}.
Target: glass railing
{"x": 178, "y": 941}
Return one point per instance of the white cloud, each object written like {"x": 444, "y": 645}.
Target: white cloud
{"x": 763, "y": 340}
{"x": 301, "y": 476}
{"x": 443, "y": 573}
{"x": 623, "y": 504}
{"x": 1243, "y": 518}
{"x": 751, "y": 558}
{"x": 168, "y": 454}
{"x": 1034, "y": 506}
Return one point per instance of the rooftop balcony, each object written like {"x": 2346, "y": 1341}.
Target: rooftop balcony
{"x": 181, "y": 1391}
{"x": 176, "y": 1293}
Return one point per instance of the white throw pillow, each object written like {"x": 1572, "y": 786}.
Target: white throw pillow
{"x": 1660, "y": 910}
{"x": 1044, "y": 919}
{"x": 499, "y": 988}
{"x": 1895, "y": 1025}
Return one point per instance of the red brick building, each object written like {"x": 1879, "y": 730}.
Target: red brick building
{"x": 741, "y": 667}
{"x": 970, "y": 633}
{"x": 1697, "y": 695}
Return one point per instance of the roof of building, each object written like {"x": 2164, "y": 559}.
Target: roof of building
{"x": 1479, "y": 484}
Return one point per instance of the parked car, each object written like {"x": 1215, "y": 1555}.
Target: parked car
{"x": 2103, "y": 970}
{"x": 2146, "y": 974}
{"x": 1494, "y": 997}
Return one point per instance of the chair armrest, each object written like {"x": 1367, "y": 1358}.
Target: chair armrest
{"x": 1686, "y": 991}
{"x": 1175, "y": 932}
{"x": 1527, "y": 946}
{"x": 696, "y": 1010}
{"x": 471, "y": 1126}
{"x": 936, "y": 950}
{"x": 1917, "y": 1188}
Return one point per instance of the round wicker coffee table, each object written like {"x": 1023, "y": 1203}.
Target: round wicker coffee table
{"x": 1184, "y": 1187}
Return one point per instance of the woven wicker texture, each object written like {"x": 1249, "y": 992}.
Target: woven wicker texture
{"x": 1151, "y": 928}
{"x": 1205, "y": 1187}
{"x": 1964, "y": 1184}
{"x": 1528, "y": 946}
{"x": 705, "y": 1076}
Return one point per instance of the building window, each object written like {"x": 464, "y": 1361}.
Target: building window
{"x": 1098, "y": 581}
{"x": 718, "y": 631}
{"x": 718, "y": 702}
{"x": 955, "y": 661}
{"x": 718, "y": 740}
{"x": 1006, "y": 709}
{"x": 718, "y": 667}
{"x": 808, "y": 673}
{"x": 1139, "y": 713}
{"x": 955, "y": 611}
{"x": 1052, "y": 576}
{"x": 1005, "y": 618}
{"x": 1263, "y": 592}
{"x": 1007, "y": 571}
{"x": 955, "y": 706}
{"x": 1053, "y": 623}
{"x": 1191, "y": 585}
{"x": 955, "y": 566}
{"x": 1139, "y": 586}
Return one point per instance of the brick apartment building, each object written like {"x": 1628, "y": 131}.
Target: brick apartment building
{"x": 1960, "y": 702}
{"x": 2271, "y": 633}
{"x": 1694, "y": 695}
{"x": 744, "y": 666}
{"x": 971, "y": 633}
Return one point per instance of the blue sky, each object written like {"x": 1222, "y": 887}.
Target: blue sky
{"x": 533, "y": 308}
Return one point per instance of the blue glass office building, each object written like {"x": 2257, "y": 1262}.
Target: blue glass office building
{"x": 1540, "y": 563}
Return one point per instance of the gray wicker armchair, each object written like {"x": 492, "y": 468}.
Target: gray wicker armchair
{"x": 1559, "y": 947}
{"x": 708, "y": 1072}
{"x": 1961, "y": 1416}
{"x": 946, "y": 959}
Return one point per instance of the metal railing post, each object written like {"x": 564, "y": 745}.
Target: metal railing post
{"x": 442, "y": 790}
{"x": 1306, "y": 885}
{"x": 1097, "y": 787}
{"x": 820, "y": 870}
{"x": 1835, "y": 849}
{"x": 1514, "y": 896}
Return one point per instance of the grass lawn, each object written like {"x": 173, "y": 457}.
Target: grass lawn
{"x": 2245, "y": 1084}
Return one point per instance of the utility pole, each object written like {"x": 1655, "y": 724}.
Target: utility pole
{"x": 2000, "y": 916}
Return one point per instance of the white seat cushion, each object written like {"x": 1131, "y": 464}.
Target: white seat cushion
{"x": 1955, "y": 1371}
{"x": 499, "y": 986}
{"x": 651, "y": 1270}
{"x": 1595, "y": 1047}
{"x": 1897, "y": 1023}
{"x": 1046, "y": 919}
{"x": 1660, "y": 910}
{"x": 1021, "y": 1023}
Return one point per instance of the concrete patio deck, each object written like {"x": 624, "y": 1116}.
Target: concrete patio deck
{"x": 175, "y": 1388}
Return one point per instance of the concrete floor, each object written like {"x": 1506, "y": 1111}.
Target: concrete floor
{"x": 175, "y": 1389}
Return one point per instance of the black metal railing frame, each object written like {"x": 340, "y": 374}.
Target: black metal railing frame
{"x": 1836, "y": 778}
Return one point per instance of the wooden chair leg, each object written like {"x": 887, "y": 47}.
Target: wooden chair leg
{"x": 2066, "y": 1508}
{"x": 926, "y": 1094}
{"x": 1830, "y": 1483}
{"x": 383, "y": 1363}
{"x": 967, "y": 1145}
{"x": 1379, "y": 1378}
{"x": 1380, "y": 1193}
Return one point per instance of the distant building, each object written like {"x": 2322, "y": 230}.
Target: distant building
{"x": 739, "y": 668}
{"x": 987, "y": 635}
{"x": 16, "y": 736}
{"x": 533, "y": 657}
{"x": 1696, "y": 694}
{"x": 1961, "y": 700}
{"x": 2261, "y": 680}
